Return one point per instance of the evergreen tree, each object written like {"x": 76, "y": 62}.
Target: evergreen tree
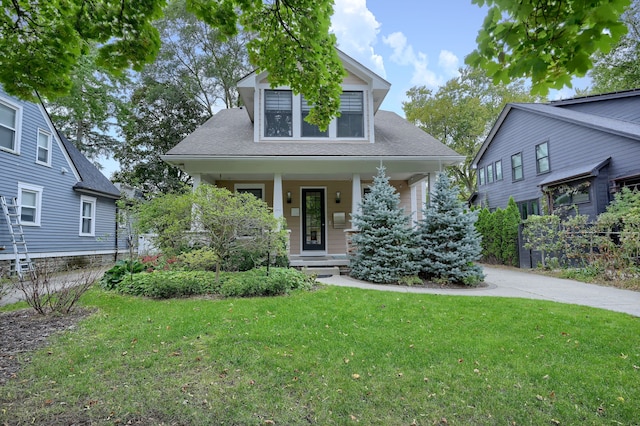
{"x": 510, "y": 225}
{"x": 386, "y": 247}
{"x": 449, "y": 240}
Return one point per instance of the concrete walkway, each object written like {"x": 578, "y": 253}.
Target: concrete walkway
{"x": 504, "y": 282}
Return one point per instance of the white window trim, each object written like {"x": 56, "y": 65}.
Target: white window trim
{"x": 18, "y": 128}
{"x": 38, "y": 191}
{"x": 93, "y": 201}
{"x": 296, "y": 118}
{"x": 250, "y": 186}
{"x": 49, "y": 145}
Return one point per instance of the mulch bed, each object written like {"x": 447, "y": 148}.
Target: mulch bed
{"x": 24, "y": 331}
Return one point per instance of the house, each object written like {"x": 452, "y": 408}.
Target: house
{"x": 563, "y": 156}
{"x": 314, "y": 179}
{"x": 67, "y": 208}
{"x": 574, "y": 152}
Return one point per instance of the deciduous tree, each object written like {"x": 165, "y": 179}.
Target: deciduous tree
{"x": 620, "y": 68}
{"x": 461, "y": 113}
{"x": 160, "y": 116}
{"x": 42, "y": 42}
{"x": 548, "y": 41}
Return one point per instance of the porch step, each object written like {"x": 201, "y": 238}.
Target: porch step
{"x": 321, "y": 271}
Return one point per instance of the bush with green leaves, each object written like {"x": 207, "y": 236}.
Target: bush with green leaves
{"x": 226, "y": 222}
{"x": 175, "y": 283}
{"x": 119, "y": 271}
{"x": 202, "y": 259}
{"x": 499, "y": 231}
{"x": 257, "y": 282}
{"x": 169, "y": 284}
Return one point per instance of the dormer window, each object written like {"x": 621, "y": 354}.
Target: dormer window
{"x": 278, "y": 113}
{"x": 284, "y": 117}
{"x": 351, "y": 120}
{"x": 309, "y": 130}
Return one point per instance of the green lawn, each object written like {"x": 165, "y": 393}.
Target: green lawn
{"x": 334, "y": 356}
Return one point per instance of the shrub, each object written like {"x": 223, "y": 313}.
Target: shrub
{"x": 202, "y": 259}
{"x": 257, "y": 283}
{"x": 120, "y": 270}
{"x": 168, "y": 284}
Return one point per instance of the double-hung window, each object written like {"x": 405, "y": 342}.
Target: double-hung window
{"x": 9, "y": 127}
{"x": 87, "y": 216}
{"x": 542, "y": 157}
{"x": 257, "y": 189}
{"x": 278, "y": 114}
{"x": 517, "y": 172}
{"x": 481, "y": 176}
{"x": 499, "y": 170}
{"x": 307, "y": 129}
{"x": 43, "y": 152}
{"x": 351, "y": 120}
{"x": 490, "y": 173}
{"x": 30, "y": 202}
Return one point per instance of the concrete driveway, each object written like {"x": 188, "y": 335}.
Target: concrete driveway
{"x": 505, "y": 282}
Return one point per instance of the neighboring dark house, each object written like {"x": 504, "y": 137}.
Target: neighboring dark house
{"x": 573, "y": 152}
{"x": 570, "y": 153}
{"x": 66, "y": 206}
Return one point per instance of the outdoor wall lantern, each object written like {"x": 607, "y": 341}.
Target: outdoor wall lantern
{"x": 338, "y": 197}
{"x": 288, "y": 197}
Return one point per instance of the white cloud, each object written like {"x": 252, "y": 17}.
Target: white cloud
{"x": 403, "y": 54}
{"x": 357, "y": 31}
{"x": 449, "y": 62}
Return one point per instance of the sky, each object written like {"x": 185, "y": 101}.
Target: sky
{"x": 412, "y": 42}
{"x": 408, "y": 43}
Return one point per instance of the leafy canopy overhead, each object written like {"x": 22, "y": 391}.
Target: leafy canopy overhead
{"x": 42, "y": 42}
{"x": 548, "y": 41}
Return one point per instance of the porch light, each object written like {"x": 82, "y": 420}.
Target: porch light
{"x": 338, "y": 197}
{"x": 288, "y": 197}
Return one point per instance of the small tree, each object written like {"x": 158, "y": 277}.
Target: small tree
{"x": 541, "y": 233}
{"x": 449, "y": 240}
{"x": 385, "y": 244}
{"x": 224, "y": 221}
{"x": 509, "y": 233}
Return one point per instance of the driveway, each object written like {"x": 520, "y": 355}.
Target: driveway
{"x": 504, "y": 282}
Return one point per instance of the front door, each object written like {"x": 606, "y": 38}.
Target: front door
{"x": 313, "y": 220}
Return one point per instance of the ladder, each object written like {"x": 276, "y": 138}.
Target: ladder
{"x": 23, "y": 263}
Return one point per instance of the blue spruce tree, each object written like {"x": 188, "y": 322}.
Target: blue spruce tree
{"x": 448, "y": 237}
{"x": 386, "y": 246}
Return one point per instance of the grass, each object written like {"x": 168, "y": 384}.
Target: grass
{"x": 334, "y": 356}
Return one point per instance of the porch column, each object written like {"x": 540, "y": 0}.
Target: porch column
{"x": 278, "y": 209}
{"x": 414, "y": 203}
{"x": 356, "y": 195}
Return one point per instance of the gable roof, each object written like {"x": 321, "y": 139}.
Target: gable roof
{"x": 91, "y": 179}
{"x": 229, "y": 134}
{"x": 597, "y": 122}
{"x": 379, "y": 86}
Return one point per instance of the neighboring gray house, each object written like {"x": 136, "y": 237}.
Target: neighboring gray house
{"x": 67, "y": 207}
{"x": 574, "y": 152}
